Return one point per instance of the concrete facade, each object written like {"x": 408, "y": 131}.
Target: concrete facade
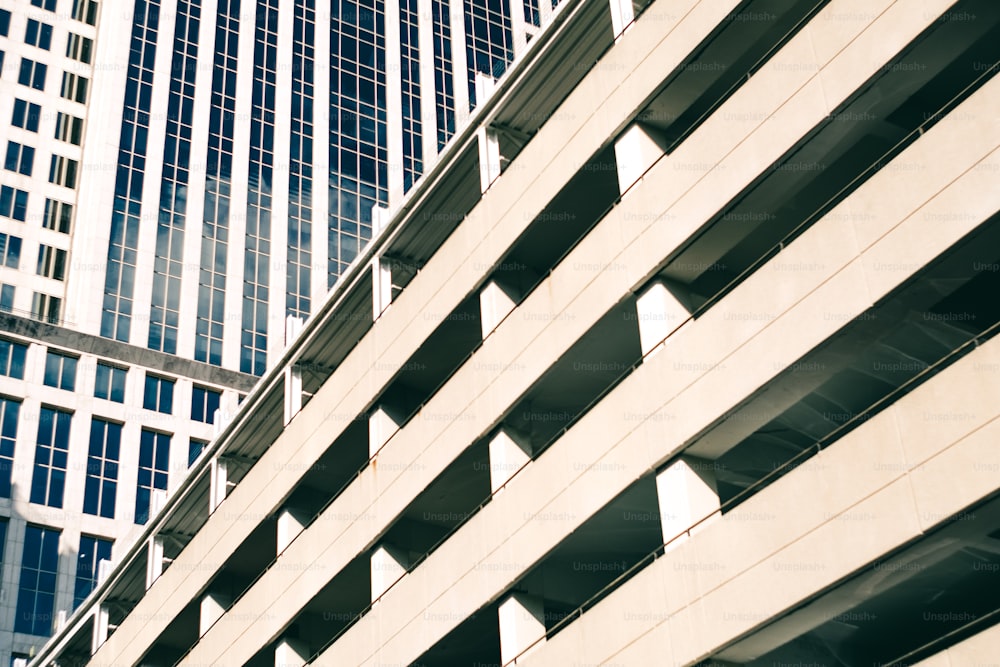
{"x": 681, "y": 353}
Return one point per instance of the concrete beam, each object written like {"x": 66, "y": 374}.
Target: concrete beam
{"x": 622, "y": 16}
{"x": 495, "y": 303}
{"x": 154, "y": 560}
{"x": 489, "y": 139}
{"x": 218, "y": 484}
{"x": 290, "y": 523}
{"x": 213, "y": 605}
{"x": 293, "y": 373}
{"x": 293, "y": 392}
{"x": 508, "y": 454}
{"x": 687, "y": 493}
{"x": 101, "y": 620}
{"x": 291, "y": 653}
{"x": 381, "y": 286}
{"x": 388, "y": 565}
{"x": 522, "y": 623}
{"x": 636, "y": 150}
{"x": 381, "y": 426}
{"x": 659, "y": 314}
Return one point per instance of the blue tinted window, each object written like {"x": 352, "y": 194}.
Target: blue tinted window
{"x": 101, "y": 485}
{"x": 48, "y": 478}
{"x": 299, "y": 250}
{"x": 110, "y": 383}
{"x": 154, "y": 461}
{"x": 9, "y": 410}
{"x": 116, "y": 310}
{"x": 195, "y": 448}
{"x": 36, "y": 594}
{"x": 19, "y": 158}
{"x": 218, "y": 178}
{"x": 204, "y": 403}
{"x": 92, "y": 551}
{"x": 10, "y": 251}
{"x": 4, "y": 22}
{"x": 6, "y": 298}
{"x": 168, "y": 262}
{"x": 410, "y": 84}
{"x": 256, "y": 279}
{"x": 158, "y": 394}
{"x": 38, "y": 34}
{"x": 12, "y": 359}
{"x": 489, "y": 44}
{"x": 13, "y": 203}
{"x": 358, "y": 179}
{"x": 26, "y": 115}
{"x": 32, "y": 74}
{"x": 444, "y": 84}
{"x": 60, "y": 371}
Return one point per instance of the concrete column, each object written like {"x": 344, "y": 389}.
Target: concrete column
{"x": 293, "y": 327}
{"x": 154, "y": 560}
{"x": 495, "y": 303}
{"x": 60, "y": 620}
{"x": 157, "y": 501}
{"x": 212, "y": 607}
{"x": 387, "y": 566}
{"x": 291, "y": 653}
{"x": 218, "y": 484}
{"x": 622, "y": 15}
{"x": 227, "y": 409}
{"x": 687, "y": 493}
{"x": 489, "y": 141}
{"x": 508, "y": 453}
{"x": 489, "y": 157}
{"x": 636, "y": 149}
{"x": 522, "y": 622}
{"x": 101, "y": 619}
{"x": 19, "y": 662}
{"x": 293, "y": 373}
{"x": 293, "y": 391}
{"x": 381, "y": 269}
{"x": 659, "y": 313}
{"x": 104, "y": 567}
{"x": 291, "y": 522}
{"x": 381, "y": 426}
{"x": 381, "y": 286}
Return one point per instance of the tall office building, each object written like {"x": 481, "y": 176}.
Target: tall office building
{"x": 180, "y": 178}
{"x": 682, "y": 352}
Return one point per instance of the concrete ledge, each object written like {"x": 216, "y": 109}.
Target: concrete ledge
{"x": 980, "y": 649}
{"x": 727, "y": 357}
{"x": 863, "y": 490}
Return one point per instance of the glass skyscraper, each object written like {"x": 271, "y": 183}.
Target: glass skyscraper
{"x": 242, "y": 96}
